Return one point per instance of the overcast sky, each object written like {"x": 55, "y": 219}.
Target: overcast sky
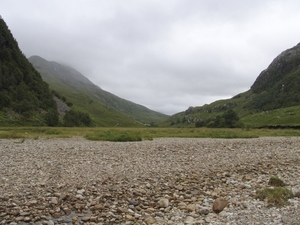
{"x": 164, "y": 54}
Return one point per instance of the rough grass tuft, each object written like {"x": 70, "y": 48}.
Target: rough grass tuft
{"x": 276, "y": 182}
{"x": 277, "y": 196}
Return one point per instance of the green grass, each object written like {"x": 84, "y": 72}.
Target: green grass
{"x": 277, "y": 196}
{"x": 138, "y": 134}
{"x": 116, "y": 135}
{"x": 284, "y": 117}
{"x": 275, "y": 181}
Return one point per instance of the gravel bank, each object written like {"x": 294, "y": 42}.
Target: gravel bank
{"x": 164, "y": 181}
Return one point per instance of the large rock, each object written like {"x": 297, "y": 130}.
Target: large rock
{"x": 219, "y": 204}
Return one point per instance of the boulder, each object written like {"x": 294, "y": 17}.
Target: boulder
{"x": 219, "y": 204}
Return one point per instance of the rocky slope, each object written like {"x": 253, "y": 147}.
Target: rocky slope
{"x": 164, "y": 181}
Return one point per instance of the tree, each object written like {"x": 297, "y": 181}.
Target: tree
{"x": 74, "y": 118}
{"x": 52, "y": 118}
{"x": 231, "y": 118}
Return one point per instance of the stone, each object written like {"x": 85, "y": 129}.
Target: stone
{"x": 219, "y": 204}
{"x": 163, "y": 203}
{"x": 191, "y": 207}
{"x": 204, "y": 211}
{"x": 179, "y": 187}
{"x": 54, "y": 200}
{"x": 99, "y": 207}
{"x": 128, "y": 217}
{"x": 150, "y": 220}
{"x": 85, "y": 218}
{"x": 297, "y": 194}
{"x": 189, "y": 220}
{"x": 24, "y": 213}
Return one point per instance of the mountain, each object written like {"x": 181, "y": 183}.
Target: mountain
{"x": 278, "y": 85}
{"x": 25, "y": 99}
{"x": 105, "y": 108}
{"x": 272, "y": 100}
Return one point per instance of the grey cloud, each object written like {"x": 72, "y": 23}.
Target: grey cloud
{"x": 167, "y": 55}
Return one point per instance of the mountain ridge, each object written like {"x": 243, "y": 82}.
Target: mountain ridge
{"x": 68, "y": 80}
{"x": 275, "y": 88}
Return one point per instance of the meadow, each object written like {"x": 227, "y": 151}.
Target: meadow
{"x": 139, "y": 134}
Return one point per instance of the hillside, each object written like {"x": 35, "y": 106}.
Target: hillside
{"x": 275, "y": 92}
{"x": 105, "y": 108}
{"x": 25, "y": 99}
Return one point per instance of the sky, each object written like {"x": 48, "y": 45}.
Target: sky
{"x": 166, "y": 55}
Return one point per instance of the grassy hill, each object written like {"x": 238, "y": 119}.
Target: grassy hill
{"x": 105, "y": 108}
{"x": 273, "y": 99}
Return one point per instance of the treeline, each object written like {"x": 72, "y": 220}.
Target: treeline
{"x": 228, "y": 119}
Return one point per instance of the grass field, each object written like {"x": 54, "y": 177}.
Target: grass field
{"x": 139, "y": 134}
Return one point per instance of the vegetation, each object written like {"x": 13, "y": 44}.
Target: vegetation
{"x": 266, "y": 104}
{"x": 74, "y": 118}
{"x": 136, "y": 134}
{"x": 284, "y": 117}
{"x": 228, "y": 119}
{"x": 104, "y": 108}
{"x": 277, "y": 195}
{"x": 115, "y": 135}
{"x": 24, "y": 96}
{"x": 275, "y": 181}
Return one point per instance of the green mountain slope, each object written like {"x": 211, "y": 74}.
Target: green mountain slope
{"x": 25, "y": 99}
{"x": 272, "y": 100}
{"x": 105, "y": 108}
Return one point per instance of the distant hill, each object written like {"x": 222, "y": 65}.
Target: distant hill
{"x": 105, "y": 108}
{"x": 25, "y": 99}
{"x": 272, "y": 100}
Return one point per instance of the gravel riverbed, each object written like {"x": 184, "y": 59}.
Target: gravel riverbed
{"x": 164, "y": 181}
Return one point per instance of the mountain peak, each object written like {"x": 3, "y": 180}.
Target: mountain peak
{"x": 283, "y": 64}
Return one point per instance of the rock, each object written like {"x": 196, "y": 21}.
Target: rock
{"x": 191, "y": 207}
{"x": 24, "y": 213}
{"x": 19, "y": 218}
{"x": 163, "y": 203}
{"x": 54, "y": 200}
{"x": 150, "y": 220}
{"x": 128, "y": 217}
{"x": 219, "y": 204}
{"x": 85, "y": 218}
{"x": 81, "y": 191}
{"x": 189, "y": 220}
{"x": 27, "y": 219}
{"x": 297, "y": 194}
{"x": 204, "y": 211}
{"x": 50, "y": 222}
{"x": 99, "y": 207}
{"x": 179, "y": 187}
